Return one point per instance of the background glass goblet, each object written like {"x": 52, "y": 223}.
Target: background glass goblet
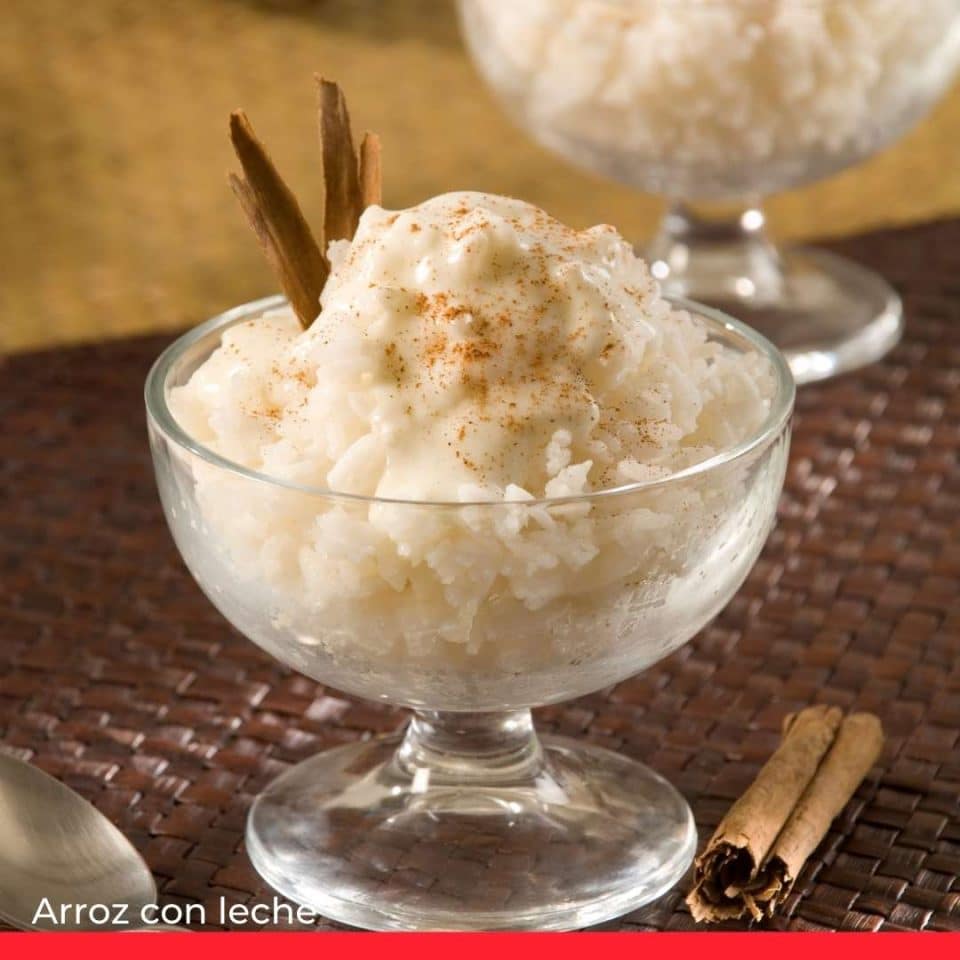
{"x": 714, "y": 104}
{"x": 470, "y": 614}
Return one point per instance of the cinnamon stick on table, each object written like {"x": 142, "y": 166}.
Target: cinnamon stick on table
{"x": 757, "y": 852}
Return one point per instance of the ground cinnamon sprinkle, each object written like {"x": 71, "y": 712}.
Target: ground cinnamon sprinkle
{"x": 474, "y": 352}
{"x": 270, "y": 412}
{"x": 435, "y": 349}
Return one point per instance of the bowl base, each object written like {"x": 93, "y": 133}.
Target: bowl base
{"x": 359, "y": 839}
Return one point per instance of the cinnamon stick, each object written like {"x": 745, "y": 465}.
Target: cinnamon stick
{"x": 341, "y": 169}
{"x": 275, "y": 216}
{"x": 351, "y": 184}
{"x": 371, "y": 175}
{"x": 757, "y": 852}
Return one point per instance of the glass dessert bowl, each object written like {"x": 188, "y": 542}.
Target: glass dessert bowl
{"x": 714, "y": 104}
{"x": 470, "y": 614}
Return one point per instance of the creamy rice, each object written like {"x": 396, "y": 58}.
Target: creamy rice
{"x": 475, "y": 351}
{"x": 700, "y": 95}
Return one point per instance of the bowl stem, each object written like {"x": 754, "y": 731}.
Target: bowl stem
{"x": 478, "y": 748}
{"x": 826, "y": 314}
{"x": 717, "y": 253}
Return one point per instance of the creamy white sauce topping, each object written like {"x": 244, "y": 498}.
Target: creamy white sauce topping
{"x": 473, "y": 347}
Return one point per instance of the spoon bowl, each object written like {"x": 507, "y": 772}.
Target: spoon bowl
{"x": 59, "y": 856}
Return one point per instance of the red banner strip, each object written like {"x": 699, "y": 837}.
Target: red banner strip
{"x": 482, "y": 946}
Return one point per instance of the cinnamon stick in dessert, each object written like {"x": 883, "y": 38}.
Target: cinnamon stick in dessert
{"x": 371, "y": 175}
{"x": 351, "y": 184}
{"x": 276, "y": 219}
{"x": 341, "y": 168}
{"x": 757, "y": 852}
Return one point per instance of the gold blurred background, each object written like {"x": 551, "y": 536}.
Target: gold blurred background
{"x": 116, "y": 213}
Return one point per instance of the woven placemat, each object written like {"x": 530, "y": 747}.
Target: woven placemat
{"x": 117, "y": 676}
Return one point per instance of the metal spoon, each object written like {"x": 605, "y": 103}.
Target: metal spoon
{"x": 58, "y": 850}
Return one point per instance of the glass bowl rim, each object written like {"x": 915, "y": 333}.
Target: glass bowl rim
{"x": 161, "y": 416}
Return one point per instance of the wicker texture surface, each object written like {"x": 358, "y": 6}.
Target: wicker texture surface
{"x": 117, "y": 676}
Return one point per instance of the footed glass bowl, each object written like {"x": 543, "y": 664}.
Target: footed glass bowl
{"x": 714, "y": 104}
{"x": 470, "y": 614}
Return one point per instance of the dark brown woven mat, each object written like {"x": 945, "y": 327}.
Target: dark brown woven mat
{"x": 117, "y": 676}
